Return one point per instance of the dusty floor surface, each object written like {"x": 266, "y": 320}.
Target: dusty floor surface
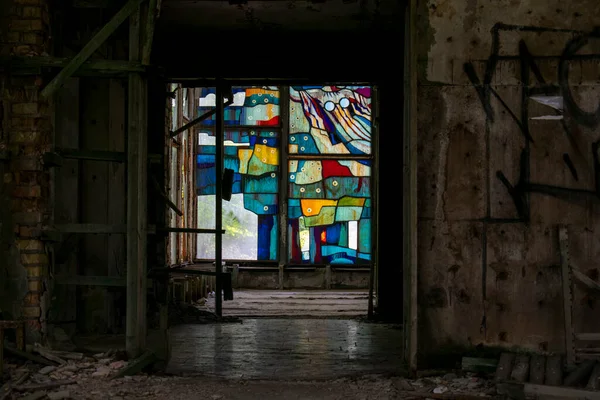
{"x": 187, "y": 388}
{"x": 203, "y": 388}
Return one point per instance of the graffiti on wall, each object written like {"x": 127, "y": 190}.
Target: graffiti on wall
{"x": 558, "y": 95}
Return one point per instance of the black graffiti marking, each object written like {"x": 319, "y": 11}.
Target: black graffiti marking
{"x": 571, "y": 166}
{"x": 517, "y": 196}
{"x": 529, "y": 68}
{"x": 589, "y": 119}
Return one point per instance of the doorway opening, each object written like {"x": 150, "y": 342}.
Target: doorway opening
{"x": 297, "y": 170}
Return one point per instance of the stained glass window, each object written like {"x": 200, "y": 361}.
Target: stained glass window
{"x": 329, "y": 165}
{"x": 251, "y": 150}
{"x": 329, "y": 199}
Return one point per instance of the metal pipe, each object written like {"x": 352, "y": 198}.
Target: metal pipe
{"x": 219, "y": 135}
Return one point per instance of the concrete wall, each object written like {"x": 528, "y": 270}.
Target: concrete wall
{"x": 489, "y": 270}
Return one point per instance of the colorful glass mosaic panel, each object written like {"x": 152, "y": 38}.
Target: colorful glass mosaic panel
{"x": 329, "y": 211}
{"x": 254, "y": 158}
{"x": 330, "y": 120}
{"x": 251, "y": 107}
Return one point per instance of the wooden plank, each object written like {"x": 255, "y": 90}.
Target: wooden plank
{"x": 1, "y": 352}
{"x": 15, "y": 63}
{"x": 409, "y": 179}
{"x": 588, "y": 337}
{"x": 88, "y": 280}
{"x": 92, "y": 155}
{"x": 90, "y": 3}
{"x": 136, "y": 366}
{"x": 28, "y": 356}
{"x": 594, "y": 381}
{"x": 584, "y": 279}
{"x": 90, "y": 228}
{"x": 66, "y": 204}
{"x": 474, "y": 364}
{"x": 537, "y": 369}
{"x": 520, "y": 370}
{"x": 562, "y": 392}
{"x": 580, "y": 374}
{"x": 567, "y": 294}
{"x": 137, "y": 180}
{"x": 164, "y": 196}
{"x": 554, "y": 370}
{"x": 117, "y": 203}
{"x": 153, "y": 9}
{"x": 504, "y": 367}
{"x": 91, "y": 47}
{"x": 94, "y": 191}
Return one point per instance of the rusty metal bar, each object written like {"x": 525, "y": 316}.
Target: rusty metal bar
{"x": 219, "y": 136}
{"x": 199, "y": 119}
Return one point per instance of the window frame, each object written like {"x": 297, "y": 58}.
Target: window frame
{"x": 283, "y": 256}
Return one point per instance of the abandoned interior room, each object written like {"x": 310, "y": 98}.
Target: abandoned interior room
{"x": 316, "y": 199}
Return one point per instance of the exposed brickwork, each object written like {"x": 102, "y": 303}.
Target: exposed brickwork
{"x": 27, "y": 134}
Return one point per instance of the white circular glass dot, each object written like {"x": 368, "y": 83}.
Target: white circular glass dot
{"x": 265, "y": 141}
{"x": 292, "y": 139}
{"x": 334, "y": 183}
{"x": 329, "y": 106}
{"x": 302, "y": 190}
{"x": 309, "y": 209}
{"x": 260, "y": 94}
{"x": 302, "y": 148}
{"x": 266, "y": 100}
{"x": 253, "y": 101}
{"x": 266, "y": 208}
{"x": 318, "y": 190}
{"x": 344, "y": 102}
{"x": 273, "y": 175}
{"x": 305, "y": 138}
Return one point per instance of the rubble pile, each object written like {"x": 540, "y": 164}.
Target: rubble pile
{"x": 449, "y": 385}
{"x": 50, "y": 374}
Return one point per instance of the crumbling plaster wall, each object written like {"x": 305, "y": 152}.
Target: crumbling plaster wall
{"x": 25, "y": 134}
{"x": 489, "y": 272}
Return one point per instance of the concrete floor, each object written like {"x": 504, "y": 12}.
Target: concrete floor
{"x": 296, "y": 303}
{"x": 277, "y": 348}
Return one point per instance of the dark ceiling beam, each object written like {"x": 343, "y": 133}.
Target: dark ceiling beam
{"x": 91, "y": 47}
{"x": 16, "y": 64}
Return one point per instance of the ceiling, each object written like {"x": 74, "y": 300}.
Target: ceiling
{"x": 278, "y": 38}
{"x": 280, "y": 15}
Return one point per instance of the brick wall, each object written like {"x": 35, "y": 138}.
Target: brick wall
{"x": 26, "y": 135}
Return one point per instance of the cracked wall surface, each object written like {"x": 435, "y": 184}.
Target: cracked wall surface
{"x": 499, "y": 172}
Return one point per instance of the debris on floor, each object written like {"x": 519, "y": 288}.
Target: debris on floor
{"x": 197, "y": 313}
{"x": 450, "y": 385}
{"x": 45, "y": 373}
{"x": 519, "y": 376}
{"x": 75, "y": 375}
